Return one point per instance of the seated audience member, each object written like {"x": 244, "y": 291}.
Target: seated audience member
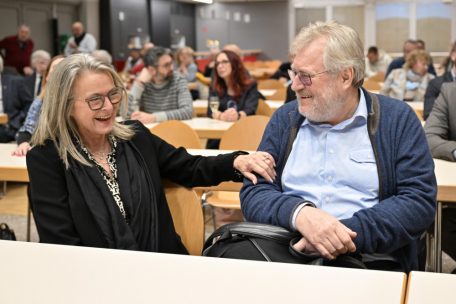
{"x": 440, "y": 129}
{"x": 282, "y": 72}
{"x": 17, "y": 50}
{"x": 136, "y": 69}
{"x": 24, "y": 135}
{"x": 410, "y": 82}
{"x": 409, "y": 46}
{"x": 233, "y": 48}
{"x": 96, "y": 182}
{"x": 80, "y": 42}
{"x": 377, "y": 61}
{"x": 134, "y": 59}
{"x": 185, "y": 63}
{"x": 160, "y": 93}
{"x": 208, "y": 70}
{"x": 447, "y": 63}
{"x": 15, "y": 101}
{"x": 33, "y": 83}
{"x": 238, "y": 95}
{"x": 103, "y": 56}
{"x": 433, "y": 89}
{"x": 187, "y": 68}
{"x": 354, "y": 172}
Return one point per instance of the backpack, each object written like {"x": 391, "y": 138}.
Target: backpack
{"x": 6, "y": 233}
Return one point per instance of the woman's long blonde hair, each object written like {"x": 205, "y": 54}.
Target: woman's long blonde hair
{"x": 55, "y": 122}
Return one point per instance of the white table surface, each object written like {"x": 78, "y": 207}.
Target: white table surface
{"x": 429, "y": 287}
{"x": 267, "y": 92}
{"x": 42, "y": 273}
{"x": 275, "y": 104}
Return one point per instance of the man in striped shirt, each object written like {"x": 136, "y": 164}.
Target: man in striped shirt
{"x": 158, "y": 93}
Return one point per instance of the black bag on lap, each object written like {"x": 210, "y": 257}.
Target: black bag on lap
{"x": 6, "y": 233}
{"x": 262, "y": 242}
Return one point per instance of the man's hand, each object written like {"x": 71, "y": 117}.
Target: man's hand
{"x": 144, "y": 76}
{"x": 143, "y": 117}
{"x": 260, "y": 162}
{"x": 28, "y": 71}
{"x": 324, "y": 233}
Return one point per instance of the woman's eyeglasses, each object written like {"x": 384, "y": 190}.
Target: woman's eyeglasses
{"x": 222, "y": 62}
{"x": 97, "y": 101}
{"x": 306, "y": 79}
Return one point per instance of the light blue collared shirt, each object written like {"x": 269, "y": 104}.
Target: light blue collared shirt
{"x": 334, "y": 166}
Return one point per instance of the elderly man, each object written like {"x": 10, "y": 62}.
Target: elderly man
{"x": 377, "y": 61}
{"x": 40, "y": 61}
{"x": 17, "y": 50}
{"x": 80, "y": 42}
{"x": 158, "y": 93}
{"x": 354, "y": 172}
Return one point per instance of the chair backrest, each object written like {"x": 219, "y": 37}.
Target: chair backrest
{"x": 187, "y": 214}
{"x": 177, "y": 134}
{"x": 270, "y": 84}
{"x": 372, "y": 85}
{"x": 264, "y": 109}
{"x": 379, "y": 77}
{"x": 245, "y": 134}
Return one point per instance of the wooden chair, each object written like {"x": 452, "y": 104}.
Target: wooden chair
{"x": 245, "y": 134}
{"x": 372, "y": 85}
{"x": 379, "y": 77}
{"x": 177, "y": 134}
{"x": 270, "y": 84}
{"x": 187, "y": 216}
{"x": 264, "y": 109}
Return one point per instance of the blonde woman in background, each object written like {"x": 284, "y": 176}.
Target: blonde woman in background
{"x": 410, "y": 82}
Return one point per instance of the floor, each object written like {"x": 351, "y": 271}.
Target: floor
{"x": 13, "y": 211}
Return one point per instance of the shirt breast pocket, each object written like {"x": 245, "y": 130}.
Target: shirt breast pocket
{"x": 363, "y": 169}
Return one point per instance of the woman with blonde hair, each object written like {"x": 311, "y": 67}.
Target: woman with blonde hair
{"x": 97, "y": 182}
{"x": 410, "y": 82}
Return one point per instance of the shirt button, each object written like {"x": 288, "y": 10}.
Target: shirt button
{"x": 327, "y": 199}
{"x": 329, "y": 178}
{"x": 331, "y": 151}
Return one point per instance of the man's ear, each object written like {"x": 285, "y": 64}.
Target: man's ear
{"x": 347, "y": 75}
{"x": 152, "y": 70}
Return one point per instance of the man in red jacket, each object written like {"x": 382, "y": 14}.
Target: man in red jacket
{"x": 17, "y": 50}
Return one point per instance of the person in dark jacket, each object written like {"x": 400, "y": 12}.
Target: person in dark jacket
{"x": 433, "y": 89}
{"x": 15, "y": 101}
{"x": 96, "y": 182}
{"x": 354, "y": 172}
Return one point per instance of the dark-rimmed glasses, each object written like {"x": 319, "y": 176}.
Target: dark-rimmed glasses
{"x": 96, "y": 102}
{"x": 221, "y": 62}
{"x": 306, "y": 79}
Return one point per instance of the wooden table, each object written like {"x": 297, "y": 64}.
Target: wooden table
{"x": 12, "y": 168}
{"x": 274, "y": 104}
{"x": 200, "y": 107}
{"x": 445, "y": 173}
{"x": 428, "y": 287}
{"x": 417, "y": 107}
{"x": 205, "y": 127}
{"x": 43, "y": 273}
{"x": 3, "y": 118}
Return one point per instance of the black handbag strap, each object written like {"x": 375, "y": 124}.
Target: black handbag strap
{"x": 264, "y": 231}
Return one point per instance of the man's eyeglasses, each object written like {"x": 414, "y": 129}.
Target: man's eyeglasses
{"x": 222, "y": 62}
{"x": 306, "y": 79}
{"x": 166, "y": 65}
{"x": 97, "y": 101}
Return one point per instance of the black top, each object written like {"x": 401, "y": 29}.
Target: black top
{"x": 248, "y": 102}
{"x": 73, "y": 206}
